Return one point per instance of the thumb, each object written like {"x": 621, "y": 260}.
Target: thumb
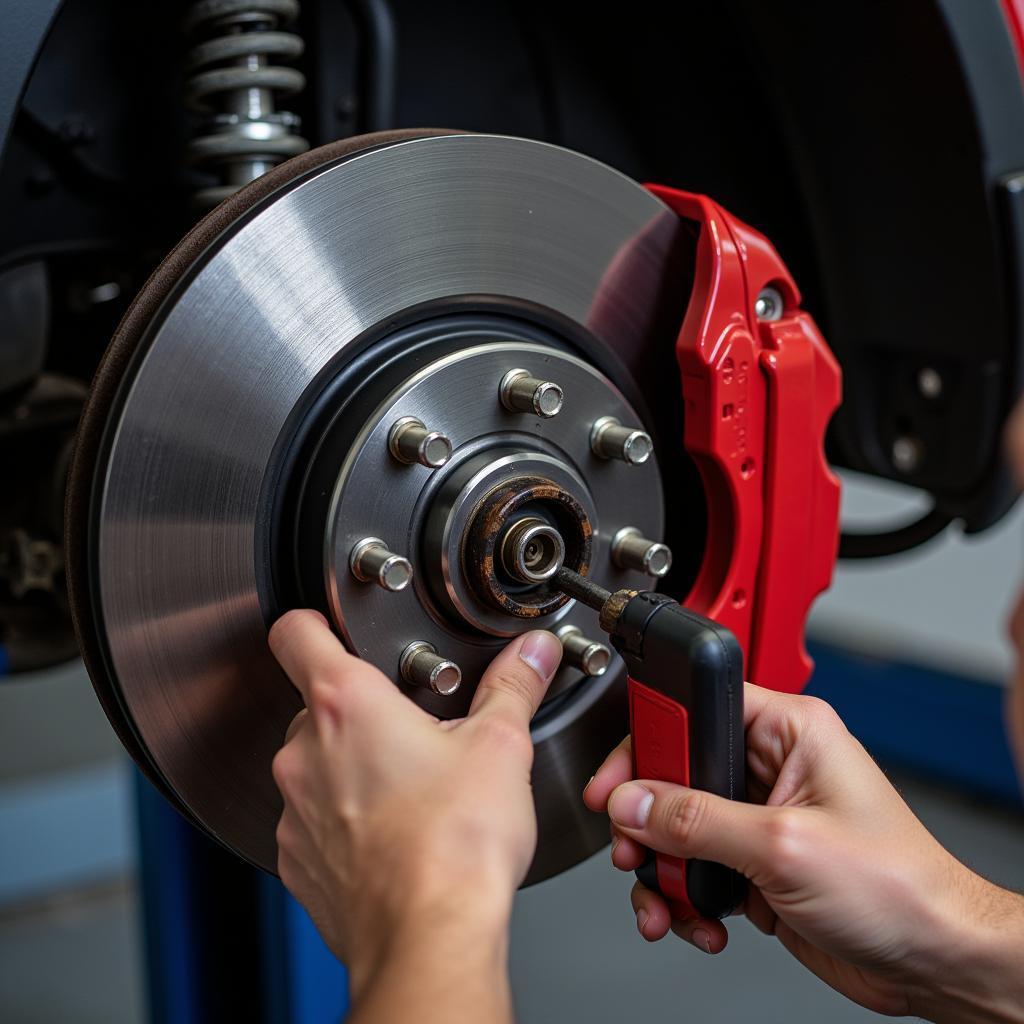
{"x": 689, "y": 823}
{"x": 516, "y": 681}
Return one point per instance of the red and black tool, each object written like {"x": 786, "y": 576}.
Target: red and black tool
{"x": 686, "y": 720}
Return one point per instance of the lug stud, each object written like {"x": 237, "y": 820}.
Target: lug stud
{"x": 410, "y": 441}
{"x": 522, "y": 393}
{"x": 372, "y": 562}
{"x": 580, "y": 652}
{"x": 631, "y": 550}
{"x": 421, "y": 665}
{"x": 609, "y": 439}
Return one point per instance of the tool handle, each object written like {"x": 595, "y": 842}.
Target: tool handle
{"x": 686, "y": 722}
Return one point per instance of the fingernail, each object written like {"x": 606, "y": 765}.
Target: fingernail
{"x": 542, "y": 652}
{"x": 701, "y": 939}
{"x": 630, "y": 805}
{"x": 641, "y": 920}
{"x": 589, "y": 781}
{"x": 615, "y": 842}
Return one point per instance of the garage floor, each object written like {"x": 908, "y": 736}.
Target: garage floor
{"x": 575, "y": 952}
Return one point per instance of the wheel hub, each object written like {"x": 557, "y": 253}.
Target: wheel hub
{"x": 457, "y": 523}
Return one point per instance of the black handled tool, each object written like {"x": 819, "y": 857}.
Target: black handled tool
{"x": 686, "y": 720}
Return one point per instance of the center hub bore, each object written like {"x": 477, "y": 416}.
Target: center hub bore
{"x": 521, "y": 534}
{"x": 530, "y": 550}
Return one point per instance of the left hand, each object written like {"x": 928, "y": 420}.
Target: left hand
{"x": 398, "y": 827}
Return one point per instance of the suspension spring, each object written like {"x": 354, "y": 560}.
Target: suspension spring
{"x": 232, "y": 82}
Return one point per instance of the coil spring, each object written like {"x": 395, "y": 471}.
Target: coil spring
{"x": 231, "y": 81}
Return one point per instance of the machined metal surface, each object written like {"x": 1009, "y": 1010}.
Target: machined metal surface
{"x": 591, "y": 657}
{"x": 432, "y": 513}
{"x": 532, "y": 550}
{"x": 521, "y": 392}
{"x": 180, "y": 597}
{"x": 410, "y": 441}
{"x": 421, "y": 665}
{"x": 609, "y": 439}
{"x": 632, "y": 550}
{"x": 371, "y": 561}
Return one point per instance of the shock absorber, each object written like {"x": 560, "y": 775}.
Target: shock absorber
{"x": 232, "y": 81}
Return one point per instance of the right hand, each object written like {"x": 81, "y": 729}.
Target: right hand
{"x": 840, "y": 869}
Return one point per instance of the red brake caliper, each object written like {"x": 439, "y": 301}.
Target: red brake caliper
{"x": 758, "y": 397}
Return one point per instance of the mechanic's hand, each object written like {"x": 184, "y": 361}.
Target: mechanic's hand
{"x": 840, "y": 870}
{"x": 393, "y": 822}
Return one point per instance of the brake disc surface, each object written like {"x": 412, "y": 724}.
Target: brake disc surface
{"x": 235, "y": 449}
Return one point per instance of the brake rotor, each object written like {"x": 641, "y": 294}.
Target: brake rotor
{"x": 239, "y": 447}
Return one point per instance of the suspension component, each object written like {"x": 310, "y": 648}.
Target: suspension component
{"x": 232, "y": 82}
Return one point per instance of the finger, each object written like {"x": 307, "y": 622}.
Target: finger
{"x": 707, "y": 934}
{"x": 516, "y": 681}
{"x": 306, "y": 648}
{"x": 618, "y": 765}
{"x": 687, "y": 822}
{"x": 653, "y": 918}
{"x": 627, "y": 854}
{"x": 617, "y": 769}
{"x": 318, "y": 664}
{"x": 756, "y": 699}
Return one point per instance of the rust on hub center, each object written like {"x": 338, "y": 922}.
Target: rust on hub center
{"x": 500, "y": 509}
